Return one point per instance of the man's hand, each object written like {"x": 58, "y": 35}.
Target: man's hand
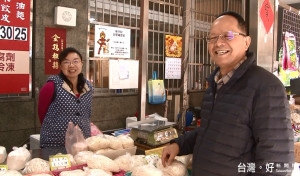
{"x": 169, "y": 154}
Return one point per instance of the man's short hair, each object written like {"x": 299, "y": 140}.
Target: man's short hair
{"x": 238, "y": 17}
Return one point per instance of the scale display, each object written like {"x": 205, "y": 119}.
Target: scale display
{"x": 154, "y": 134}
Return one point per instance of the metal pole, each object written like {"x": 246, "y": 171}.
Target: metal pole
{"x": 275, "y": 33}
{"x": 184, "y": 71}
{"x": 143, "y": 49}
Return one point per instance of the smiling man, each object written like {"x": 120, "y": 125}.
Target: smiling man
{"x": 245, "y": 118}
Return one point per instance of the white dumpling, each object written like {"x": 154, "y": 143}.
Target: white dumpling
{"x": 102, "y": 162}
{"x": 36, "y": 165}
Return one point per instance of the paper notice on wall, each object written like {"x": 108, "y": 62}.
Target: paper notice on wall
{"x": 123, "y": 74}
{"x": 123, "y": 70}
{"x": 112, "y": 42}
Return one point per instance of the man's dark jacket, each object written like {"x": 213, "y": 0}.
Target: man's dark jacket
{"x": 247, "y": 122}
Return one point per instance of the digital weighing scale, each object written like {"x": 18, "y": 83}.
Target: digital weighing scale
{"x": 153, "y": 132}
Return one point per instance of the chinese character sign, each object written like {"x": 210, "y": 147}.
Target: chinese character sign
{"x": 14, "y": 46}
{"x": 14, "y": 71}
{"x": 267, "y": 15}
{"x": 14, "y": 24}
{"x": 112, "y": 42}
{"x": 12, "y": 62}
{"x": 55, "y": 42}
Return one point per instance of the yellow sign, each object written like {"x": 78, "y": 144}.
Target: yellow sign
{"x": 59, "y": 162}
{"x": 156, "y": 151}
{"x": 3, "y": 167}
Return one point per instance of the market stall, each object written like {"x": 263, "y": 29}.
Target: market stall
{"x": 102, "y": 155}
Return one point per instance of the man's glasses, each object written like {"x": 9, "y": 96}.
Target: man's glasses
{"x": 229, "y": 35}
{"x": 74, "y": 62}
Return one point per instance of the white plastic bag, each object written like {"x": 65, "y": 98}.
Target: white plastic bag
{"x": 75, "y": 141}
{"x": 3, "y": 154}
{"x": 17, "y": 158}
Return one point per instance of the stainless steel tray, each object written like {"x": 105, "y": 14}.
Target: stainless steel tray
{"x": 154, "y": 126}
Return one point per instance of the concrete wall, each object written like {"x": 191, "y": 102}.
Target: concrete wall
{"x": 17, "y": 122}
{"x": 110, "y": 112}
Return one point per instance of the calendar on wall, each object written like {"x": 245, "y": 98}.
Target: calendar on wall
{"x": 173, "y": 68}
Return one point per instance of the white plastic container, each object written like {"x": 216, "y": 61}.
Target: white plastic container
{"x": 34, "y": 141}
{"x": 129, "y": 120}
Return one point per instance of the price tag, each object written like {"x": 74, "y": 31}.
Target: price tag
{"x": 59, "y": 162}
{"x": 20, "y": 33}
{"x": 3, "y": 167}
{"x": 13, "y": 33}
{"x": 6, "y": 32}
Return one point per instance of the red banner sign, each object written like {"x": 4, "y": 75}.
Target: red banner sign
{"x": 15, "y": 25}
{"x": 267, "y": 15}
{"x": 14, "y": 46}
{"x": 55, "y": 42}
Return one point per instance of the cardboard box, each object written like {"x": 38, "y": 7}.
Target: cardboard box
{"x": 297, "y": 152}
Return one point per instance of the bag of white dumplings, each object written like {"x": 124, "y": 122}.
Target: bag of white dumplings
{"x": 3, "y": 154}
{"x": 17, "y": 158}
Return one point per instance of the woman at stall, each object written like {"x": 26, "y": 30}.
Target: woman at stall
{"x": 66, "y": 97}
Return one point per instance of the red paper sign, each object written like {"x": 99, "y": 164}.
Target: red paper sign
{"x": 15, "y": 25}
{"x": 267, "y": 15}
{"x": 55, "y": 42}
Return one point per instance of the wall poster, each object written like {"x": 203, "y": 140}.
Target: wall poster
{"x": 173, "y": 46}
{"x": 112, "y": 42}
